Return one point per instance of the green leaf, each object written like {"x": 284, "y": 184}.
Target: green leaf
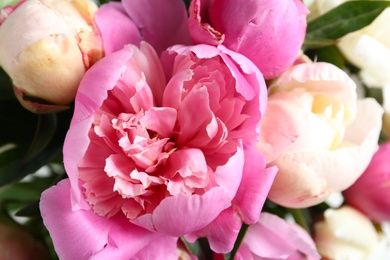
{"x": 31, "y": 210}
{"x": 187, "y": 2}
{"x": 6, "y": 88}
{"x": 346, "y": 18}
{"x": 328, "y": 54}
{"x": 200, "y": 248}
{"x": 46, "y": 127}
{"x": 314, "y": 43}
{"x": 18, "y": 123}
{"x": 5, "y": 3}
{"x": 16, "y": 169}
{"x": 28, "y": 154}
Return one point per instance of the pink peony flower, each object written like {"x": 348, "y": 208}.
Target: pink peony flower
{"x": 269, "y": 33}
{"x": 317, "y": 133}
{"x": 166, "y": 146}
{"x": 275, "y": 238}
{"x": 60, "y": 41}
{"x": 160, "y": 23}
{"x": 370, "y": 193}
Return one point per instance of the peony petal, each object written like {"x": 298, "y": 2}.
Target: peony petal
{"x": 161, "y": 120}
{"x": 116, "y": 28}
{"x": 91, "y": 94}
{"x": 201, "y": 31}
{"x": 161, "y": 248}
{"x": 258, "y": 32}
{"x": 162, "y": 23}
{"x": 31, "y": 11}
{"x": 100, "y": 236}
{"x": 194, "y": 114}
{"x": 306, "y": 179}
{"x": 254, "y": 187}
{"x": 273, "y": 237}
{"x": 198, "y": 211}
{"x": 251, "y": 85}
{"x": 221, "y": 233}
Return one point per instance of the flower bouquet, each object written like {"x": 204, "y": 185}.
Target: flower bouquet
{"x": 203, "y": 129}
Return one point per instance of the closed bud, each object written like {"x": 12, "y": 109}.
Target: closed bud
{"x": 45, "y": 47}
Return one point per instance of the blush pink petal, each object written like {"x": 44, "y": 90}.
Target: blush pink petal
{"x": 161, "y": 23}
{"x": 98, "y": 237}
{"x": 87, "y": 102}
{"x": 318, "y": 173}
{"x": 275, "y": 136}
{"x": 116, "y": 28}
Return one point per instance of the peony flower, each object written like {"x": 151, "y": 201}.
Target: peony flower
{"x": 17, "y": 243}
{"x": 160, "y": 23}
{"x": 47, "y": 57}
{"x": 345, "y": 233}
{"x": 317, "y": 133}
{"x": 166, "y": 146}
{"x": 275, "y": 238}
{"x": 269, "y": 33}
{"x": 370, "y": 193}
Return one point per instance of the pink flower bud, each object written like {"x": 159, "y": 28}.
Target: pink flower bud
{"x": 370, "y": 193}
{"x": 270, "y": 33}
{"x": 47, "y": 56}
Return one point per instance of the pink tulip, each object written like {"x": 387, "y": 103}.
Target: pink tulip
{"x": 317, "y": 133}
{"x": 370, "y": 193}
{"x": 269, "y": 32}
{"x": 160, "y": 23}
{"x": 47, "y": 57}
{"x": 165, "y": 146}
{"x": 274, "y": 238}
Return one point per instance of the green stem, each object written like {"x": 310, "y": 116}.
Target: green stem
{"x": 240, "y": 237}
{"x": 299, "y": 218}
